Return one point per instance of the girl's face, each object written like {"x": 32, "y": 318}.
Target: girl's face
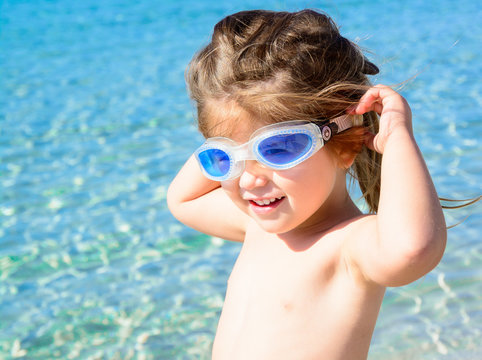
{"x": 284, "y": 200}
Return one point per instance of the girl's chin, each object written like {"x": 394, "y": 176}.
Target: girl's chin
{"x": 274, "y": 226}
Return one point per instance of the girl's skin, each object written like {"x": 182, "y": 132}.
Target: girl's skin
{"x": 312, "y": 272}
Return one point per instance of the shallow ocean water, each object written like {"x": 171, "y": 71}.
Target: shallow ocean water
{"x": 94, "y": 124}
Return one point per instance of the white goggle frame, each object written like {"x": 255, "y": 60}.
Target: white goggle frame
{"x": 238, "y": 154}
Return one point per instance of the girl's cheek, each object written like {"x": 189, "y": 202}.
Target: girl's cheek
{"x": 231, "y": 188}
{"x": 228, "y": 187}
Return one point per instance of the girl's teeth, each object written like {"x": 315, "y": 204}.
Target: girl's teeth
{"x": 266, "y": 201}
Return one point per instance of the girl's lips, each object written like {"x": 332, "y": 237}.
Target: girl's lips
{"x": 265, "y": 208}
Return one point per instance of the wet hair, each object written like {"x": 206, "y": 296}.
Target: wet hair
{"x": 279, "y": 66}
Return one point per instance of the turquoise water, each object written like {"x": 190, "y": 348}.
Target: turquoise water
{"x": 94, "y": 123}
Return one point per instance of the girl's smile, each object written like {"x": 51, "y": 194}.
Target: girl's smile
{"x": 264, "y": 206}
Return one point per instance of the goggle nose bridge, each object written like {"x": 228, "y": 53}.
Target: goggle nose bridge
{"x": 244, "y": 152}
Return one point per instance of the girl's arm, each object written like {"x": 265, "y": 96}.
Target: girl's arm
{"x": 406, "y": 239}
{"x": 200, "y": 203}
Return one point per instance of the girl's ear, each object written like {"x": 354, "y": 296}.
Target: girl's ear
{"x": 345, "y": 159}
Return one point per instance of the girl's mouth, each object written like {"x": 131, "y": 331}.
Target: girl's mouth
{"x": 264, "y": 205}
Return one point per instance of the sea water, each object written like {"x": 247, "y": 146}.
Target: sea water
{"x": 94, "y": 123}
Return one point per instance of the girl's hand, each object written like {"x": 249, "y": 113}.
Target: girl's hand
{"x": 394, "y": 111}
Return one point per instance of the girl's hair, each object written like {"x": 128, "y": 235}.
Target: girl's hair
{"x": 280, "y": 66}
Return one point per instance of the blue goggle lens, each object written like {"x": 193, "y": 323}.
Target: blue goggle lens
{"x": 285, "y": 148}
{"x": 215, "y": 162}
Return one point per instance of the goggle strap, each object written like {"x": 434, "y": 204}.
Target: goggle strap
{"x": 343, "y": 122}
{"x": 336, "y": 126}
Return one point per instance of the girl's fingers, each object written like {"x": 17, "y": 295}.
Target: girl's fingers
{"x": 377, "y": 107}
{"x": 372, "y": 100}
{"x": 393, "y": 110}
{"x": 370, "y": 140}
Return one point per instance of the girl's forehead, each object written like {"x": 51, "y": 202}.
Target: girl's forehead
{"x": 228, "y": 119}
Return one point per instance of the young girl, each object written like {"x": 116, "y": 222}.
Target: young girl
{"x": 287, "y": 108}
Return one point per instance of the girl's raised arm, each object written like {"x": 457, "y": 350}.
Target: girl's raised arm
{"x": 406, "y": 239}
{"x": 200, "y": 203}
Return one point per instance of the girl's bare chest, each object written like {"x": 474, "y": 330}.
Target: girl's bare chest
{"x": 281, "y": 275}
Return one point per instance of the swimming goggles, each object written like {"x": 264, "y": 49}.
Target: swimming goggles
{"x": 278, "y": 146}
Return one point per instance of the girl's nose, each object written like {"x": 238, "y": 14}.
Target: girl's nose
{"x": 253, "y": 175}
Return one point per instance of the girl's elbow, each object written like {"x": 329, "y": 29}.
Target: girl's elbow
{"x": 426, "y": 256}
{"x": 428, "y": 242}
{"x": 173, "y": 202}
{"x": 436, "y": 245}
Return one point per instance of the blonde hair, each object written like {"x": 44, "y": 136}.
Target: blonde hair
{"x": 280, "y": 66}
